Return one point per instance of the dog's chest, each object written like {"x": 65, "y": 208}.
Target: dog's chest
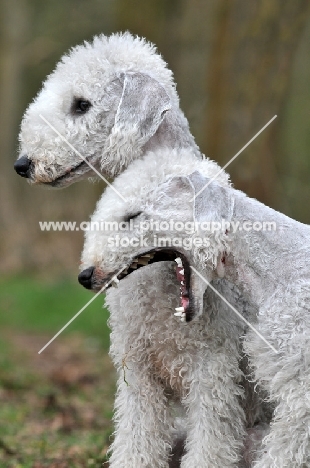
{"x": 171, "y": 348}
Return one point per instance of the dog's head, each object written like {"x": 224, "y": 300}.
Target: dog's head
{"x": 101, "y": 105}
{"x": 172, "y": 222}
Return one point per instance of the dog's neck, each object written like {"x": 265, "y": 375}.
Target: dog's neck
{"x": 173, "y": 133}
{"x": 263, "y": 260}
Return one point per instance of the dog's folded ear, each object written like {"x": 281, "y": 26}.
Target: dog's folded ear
{"x": 141, "y": 110}
{"x": 200, "y": 198}
{"x": 212, "y": 202}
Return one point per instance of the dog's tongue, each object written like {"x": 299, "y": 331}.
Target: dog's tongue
{"x": 184, "y": 302}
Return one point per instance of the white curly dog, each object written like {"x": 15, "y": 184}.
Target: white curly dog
{"x": 109, "y": 103}
{"x": 165, "y": 369}
{"x": 262, "y": 252}
{"x": 112, "y": 100}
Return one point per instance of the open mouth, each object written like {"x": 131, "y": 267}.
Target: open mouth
{"x": 183, "y": 275}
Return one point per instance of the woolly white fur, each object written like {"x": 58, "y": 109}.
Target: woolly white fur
{"x": 125, "y": 80}
{"x": 164, "y": 361}
{"x": 197, "y": 362}
{"x": 150, "y": 171}
{"x": 134, "y": 112}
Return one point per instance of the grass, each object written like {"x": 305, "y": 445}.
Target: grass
{"x": 45, "y": 306}
{"x": 55, "y": 408}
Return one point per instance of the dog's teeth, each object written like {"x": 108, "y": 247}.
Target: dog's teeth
{"x": 178, "y": 261}
{"x": 178, "y": 314}
{"x": 182, "y": 282}
{"x": 181, "y": 272}
{"x": 148, "y": 255}
{"x": 180, "y": 309}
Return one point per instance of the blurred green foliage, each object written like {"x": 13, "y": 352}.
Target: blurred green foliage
{"x": 55, "y": 408}
{"x": 33, "y": 305}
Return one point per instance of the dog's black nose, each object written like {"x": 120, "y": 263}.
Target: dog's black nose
{"x": 85, "y": 277}
{"x": 22, "y": 166}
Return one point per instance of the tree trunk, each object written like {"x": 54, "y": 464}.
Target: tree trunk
{"x": 250, "y": 71}
{"x": 182, "y": 31}
{"x": 13, "y": 25}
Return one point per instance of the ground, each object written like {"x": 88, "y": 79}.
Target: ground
{"x": 55, "y": 407}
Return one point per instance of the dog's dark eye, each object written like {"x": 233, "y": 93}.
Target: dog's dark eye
{"x": 131, "y": 216}
{"x": 80, "y": 106}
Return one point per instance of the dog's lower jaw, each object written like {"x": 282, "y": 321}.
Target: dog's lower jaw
{"x": 195, "y": 309}
{"x": 198, "y": 286}
{"x": 63, "y": 177}
{"x": 71, "y": 176}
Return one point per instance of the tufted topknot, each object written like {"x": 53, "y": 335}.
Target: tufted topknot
{"x": 121, "y": 52}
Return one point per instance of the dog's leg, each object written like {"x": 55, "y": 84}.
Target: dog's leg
{"x": 286, "y": 378}
{"x": 142, "y": 437}
{"x": 215, "y": 418}
{"x": 288, "y": 443}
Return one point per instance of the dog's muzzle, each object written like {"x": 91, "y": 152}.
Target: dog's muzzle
{"x": 22, "y": 166}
